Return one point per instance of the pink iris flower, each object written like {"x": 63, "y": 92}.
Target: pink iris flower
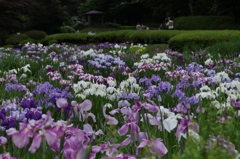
{"x": 155, "y": 146}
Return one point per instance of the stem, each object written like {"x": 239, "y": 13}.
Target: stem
{"x": 60, "y": 155}
{"x": 44, "y": 148}
{"x": 62, "y": 112}
{"x": 4, "y": 148}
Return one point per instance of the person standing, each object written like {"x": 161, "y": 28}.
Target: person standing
{"x": 170, "y": 23}
{"x": 144, "y": 27}
{"x": 160, "y": 27}
{"x": 138, "y": 26}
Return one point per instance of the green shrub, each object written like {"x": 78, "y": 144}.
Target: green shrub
{"x": 67, "y": 29}
{"x": 176, "y": 39}
{"x": 36, "y": 34}
{"x": 152, "y": 36}
{"x": 17, "y": 39}
{"x": 108, "y": 36}
{"x": 205, "y": 23}
{"x": 128, "y": 27}
{"x": 97, "y": 29}
{"x": 161, "y": 36}
{"x": 201, "y": 38}
{"x": 53, "y": 41}
{"x": 68, "y": 37}
{"x": 78, "y": 26}
{"x": 227, "y": 47}
{"x": 8, "y": 46}
{"x": 110, "y": 24}
{"x": 123, "y": 35}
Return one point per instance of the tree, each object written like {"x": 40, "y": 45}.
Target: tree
{"x": 12, "y": 14}
{"x": 47, "y": 15}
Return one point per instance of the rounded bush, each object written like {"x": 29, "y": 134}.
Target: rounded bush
{"x": 36, "y": 34}
{"x": 17, "y": 39}
{"x": 78, "y": 26}
{"x": 67, "y": 29}
{"x": 110, "y": 24}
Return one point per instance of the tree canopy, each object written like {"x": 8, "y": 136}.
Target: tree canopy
{"x": 49, "y": 15}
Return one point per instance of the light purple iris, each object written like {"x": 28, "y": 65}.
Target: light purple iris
{"x": 7, "y": 155}
{"x": 3, "y": 140}
{"x": 75, "y": 143}
{"x": 155, "y": 146}
{"x": 123, "y": 103}
{"x": 109, "y": 119}
{"x": 34, "y": 129}
{"x": 81, "y": 110}
{"x": 61, "y": 102}
{"x": 129, "y": 124}
{"x": 89, "y": 130}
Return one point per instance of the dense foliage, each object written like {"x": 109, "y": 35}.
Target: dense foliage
{"x": 23, "y": 15}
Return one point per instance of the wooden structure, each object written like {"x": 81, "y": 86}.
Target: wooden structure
{"x": 90, "y": 15}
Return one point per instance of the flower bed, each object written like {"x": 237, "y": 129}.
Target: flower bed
{"x": 117, "y": 101}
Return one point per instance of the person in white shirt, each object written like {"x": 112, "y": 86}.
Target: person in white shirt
{"x": 170, "y": 24}
{"x": 138, "y": 26}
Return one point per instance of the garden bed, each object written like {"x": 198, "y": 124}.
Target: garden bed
{"x": 118, "y": 100}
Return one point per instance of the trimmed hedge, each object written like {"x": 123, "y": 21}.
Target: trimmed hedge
{"x": 135, "y": 36}
{"x": 201, "y": 38}
{"x": 17, "y": 39}
{"x": 176, "y": 39}
{"x": 206, "y": 23}
{"x": 36, "y": 34}
{"x": 76, "y": 38}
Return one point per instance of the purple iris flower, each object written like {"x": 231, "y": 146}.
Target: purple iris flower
{"x": 2, "y": 113}
{"x": 123, "y": 103}
{"x": 193, "y": 100}
{"x": 220, "y": 141}
{"x": 9, "y": 122}
{"x": 35, "y": 115}
{"x": 235, "y": 54}
{"x": 182, "y": 128}
{"x": 29, "y": 103}
{"x": 164, "y": 87}
{"x": 235, "y": 103}
{"x": 178, "y": 93}
{"x": 42, "y": 88}
{"x": 133, "y": 96}
{"x": 194, "y": 67}
{"x": 155, "y": 78}
{"x": 147, "y": 81}
{"x": 16, "y": 87}
{"x": 180, "y": 108}
{"x": 196, "y": 83}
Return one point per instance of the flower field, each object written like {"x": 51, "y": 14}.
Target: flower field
{"x": 118, "y": 101}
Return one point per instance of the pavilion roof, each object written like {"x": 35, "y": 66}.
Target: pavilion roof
{"x": 93, "y": 12}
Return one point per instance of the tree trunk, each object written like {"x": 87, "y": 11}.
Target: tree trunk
{"x": 190, "y": 4}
